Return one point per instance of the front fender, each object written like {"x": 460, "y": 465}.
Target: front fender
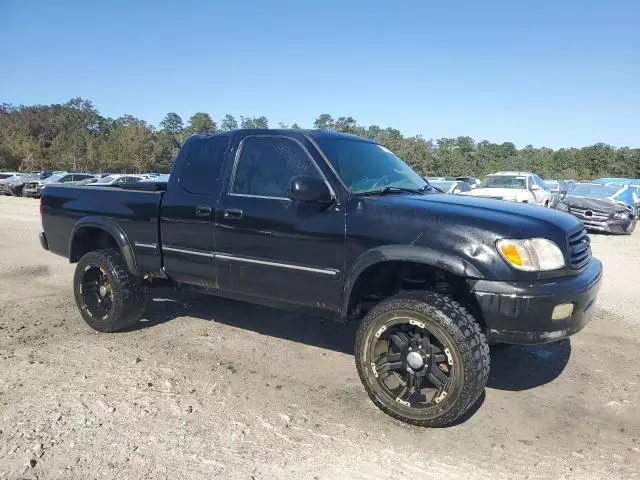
{"x": 112, "y": 228}
{"x": 408, "y": 253}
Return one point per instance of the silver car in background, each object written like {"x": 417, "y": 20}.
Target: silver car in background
{"x": 34, "y": 188}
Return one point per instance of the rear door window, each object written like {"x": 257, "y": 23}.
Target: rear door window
{"x": 201, "y": 171}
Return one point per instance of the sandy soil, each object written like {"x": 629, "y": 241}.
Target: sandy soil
{"x": 208, "y": 388}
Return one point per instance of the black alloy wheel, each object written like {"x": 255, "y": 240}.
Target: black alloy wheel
{"x": 96, "y": 291}
{"x": 411, "y": 364}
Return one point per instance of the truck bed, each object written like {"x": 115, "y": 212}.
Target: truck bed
{"x": 134, "y": 211}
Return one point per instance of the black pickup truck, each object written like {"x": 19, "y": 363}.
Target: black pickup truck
{"x": 335, "y": 224}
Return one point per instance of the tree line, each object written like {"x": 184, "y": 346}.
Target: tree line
{"x": 74, "y": 136}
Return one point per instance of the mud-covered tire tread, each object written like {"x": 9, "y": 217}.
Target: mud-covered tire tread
{"x": 469, "y": 339}
{"x": 129, "y": 299}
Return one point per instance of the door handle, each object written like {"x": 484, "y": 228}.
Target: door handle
{"x": 203, "y": 211}
{"x": 233, "y": 213}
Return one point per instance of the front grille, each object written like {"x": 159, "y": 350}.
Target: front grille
{"x": 588, "y": 215}
{"x": 579, "y": 245}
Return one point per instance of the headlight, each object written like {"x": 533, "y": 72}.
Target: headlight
{"x": 563, "y": 207}
{"x": 531, "y": 255}
{"x": 621, "y": 215}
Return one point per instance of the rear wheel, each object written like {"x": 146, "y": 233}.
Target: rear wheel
{"x": 109, "y": 297}
{"x": 422, "y": 358}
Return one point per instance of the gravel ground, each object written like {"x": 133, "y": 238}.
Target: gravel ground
{"x": 207, "y": 388}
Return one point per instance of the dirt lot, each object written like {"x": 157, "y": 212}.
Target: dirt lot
{"x": 209, "y": 388}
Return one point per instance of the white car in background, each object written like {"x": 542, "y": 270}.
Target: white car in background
{"x": 523, "y": 187}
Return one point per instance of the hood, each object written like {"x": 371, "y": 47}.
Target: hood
{"x": 463, "y": 225}
{"x": 509, "y": 218}
{"x": 497, "y": 192}
{"x": 595, "y": 204}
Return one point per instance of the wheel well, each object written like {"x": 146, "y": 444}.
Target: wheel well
{"x": 385, "y": 279}
{"x": 88, "y": 239}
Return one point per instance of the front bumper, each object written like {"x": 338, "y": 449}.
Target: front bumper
{"x": 522, "y": 312}
{"x": 33, "y": 192}
{"x": 609, "y": 226}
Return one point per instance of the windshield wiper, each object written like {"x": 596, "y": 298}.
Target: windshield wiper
{"x": 387, "y": 190}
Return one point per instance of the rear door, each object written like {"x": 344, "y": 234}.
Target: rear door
{"x": 268, "y": 245}
{"x": 187, "y": 228}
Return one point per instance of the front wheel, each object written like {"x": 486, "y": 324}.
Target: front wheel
{"x": 109, "y": 297}
{"x": 422, "y": 358}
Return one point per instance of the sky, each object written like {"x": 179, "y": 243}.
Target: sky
{"x": 555, "y": 73}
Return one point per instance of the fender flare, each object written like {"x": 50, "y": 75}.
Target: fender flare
{"x": 409, "y": 253}
{"x": 114, "y": 230}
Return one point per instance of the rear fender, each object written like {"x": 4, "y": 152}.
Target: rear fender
{"x": 111, "y": 228}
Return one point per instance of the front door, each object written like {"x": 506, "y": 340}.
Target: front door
{"x": 270, "y": 246}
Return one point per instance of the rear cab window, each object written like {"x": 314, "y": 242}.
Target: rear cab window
{"x": 201, "y": 171}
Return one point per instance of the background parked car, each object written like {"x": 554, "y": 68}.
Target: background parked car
{"x": 558, "y": 189}
{"x": 524, "y": 187}
{"x": 454, "y": 186}
{"x": 118, "y": 179}
{"x": 7, "y": 177}
{"x": 633, "y": 183}
{"x": 34, "y": 188}
{"x": 472, "y": 181}
{"x": 602, "y": 208}
{"x": 439, "y": 179}
{"x": 16, "y": 186}
{"x": 160, "y": 178}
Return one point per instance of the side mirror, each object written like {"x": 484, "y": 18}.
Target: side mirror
{"x": 535, "y": 187}
{"x": 310, "y": 190}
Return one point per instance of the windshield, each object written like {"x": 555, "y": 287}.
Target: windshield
{"x": 504, "y": 181}
{"x": 593, "y": 190}
{"x": 107, "y": 179}
{"x": 368, "y": 167}
{"x": 55, "y": 177}
{"x": 5, "y": 175}
{"x": 552, "y": 184}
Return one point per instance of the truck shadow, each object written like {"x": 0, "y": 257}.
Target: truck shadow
{"x": 521, "y": 367}
{"x": 513, "y": 367}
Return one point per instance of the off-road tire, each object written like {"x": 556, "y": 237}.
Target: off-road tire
{"x": 467, "y": 341}
{"x": 129, "y": 295}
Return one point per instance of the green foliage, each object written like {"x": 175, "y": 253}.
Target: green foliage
{"x": 229, "y": 123}
{"x": 254, "y": 122}
{"x": 172, "y": 124}
{"x": 200, "y": 123}
{"x": 74, "y": 136}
